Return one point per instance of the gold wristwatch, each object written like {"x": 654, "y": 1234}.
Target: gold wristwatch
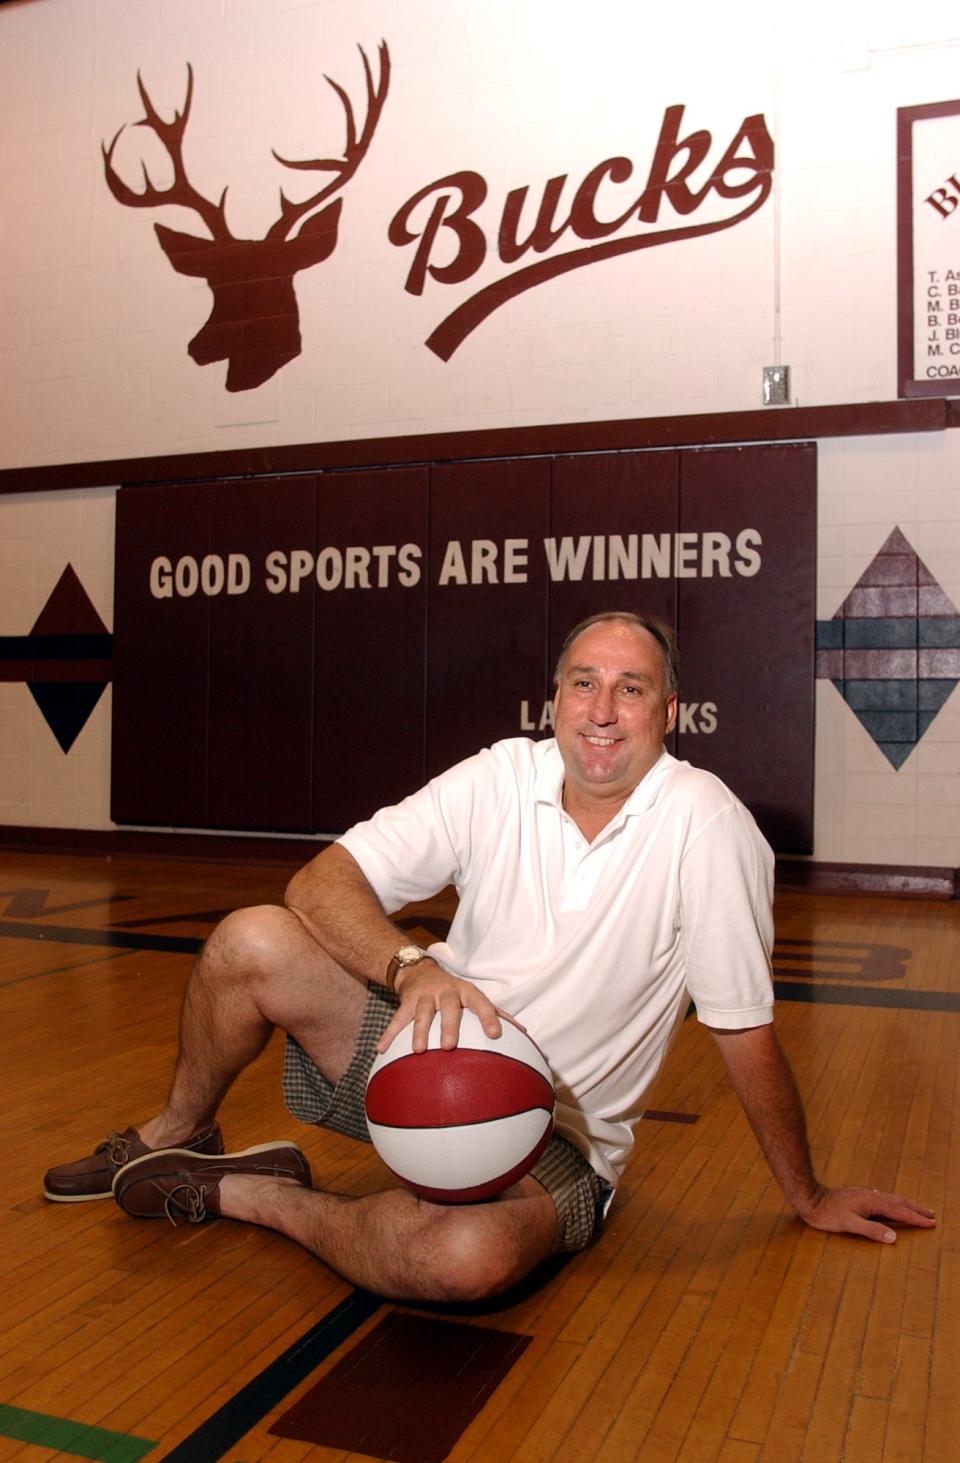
{"x": 407, "y": 955}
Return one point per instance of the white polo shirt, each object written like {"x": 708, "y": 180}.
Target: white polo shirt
{"x": 597, "y": 947}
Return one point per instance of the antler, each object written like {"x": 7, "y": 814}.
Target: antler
{"x": 181, "y": 190}
{"x": 354, "y": 150}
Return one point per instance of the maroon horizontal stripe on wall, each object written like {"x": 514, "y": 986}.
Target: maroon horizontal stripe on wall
{"x": 769, "y": 424}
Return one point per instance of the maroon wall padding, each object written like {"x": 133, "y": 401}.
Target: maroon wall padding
{"x": 747, "y": 642}
{"x": 159, "y": 727}
{"x": 262, "y": 648}
{"x": 486, "y": 642}
{"x": 304, "y": 710}
{"x": 612, "y": 496}
{"x": 368, "y": 666}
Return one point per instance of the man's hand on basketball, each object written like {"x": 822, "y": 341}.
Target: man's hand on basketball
{"x": 426, "y": 988}
{"x": 868, "y": 1212}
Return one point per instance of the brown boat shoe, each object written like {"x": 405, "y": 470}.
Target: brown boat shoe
{"x": 184, "y": 1186}
{"x": 92, "y": 1177}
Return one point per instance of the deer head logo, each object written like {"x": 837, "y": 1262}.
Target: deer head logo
{"x": 254, "y": 325}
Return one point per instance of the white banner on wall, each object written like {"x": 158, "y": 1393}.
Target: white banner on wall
{"x": 929, "y": 249}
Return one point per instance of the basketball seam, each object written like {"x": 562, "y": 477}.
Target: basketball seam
{"x": 469, "y": 1123}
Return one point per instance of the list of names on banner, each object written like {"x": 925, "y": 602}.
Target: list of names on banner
{"x": 936, "y": 250}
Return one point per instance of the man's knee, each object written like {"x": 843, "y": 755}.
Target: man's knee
{"x": 266, "y": 953}
{"x": 252, "y": 943}
{"x": 473, "y": 1256}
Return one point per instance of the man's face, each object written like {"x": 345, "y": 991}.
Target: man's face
{"x": 611, "y": 711}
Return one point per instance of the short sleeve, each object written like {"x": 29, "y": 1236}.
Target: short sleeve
{"x": 726, "y": 921}
{"x": 413, "y": 849}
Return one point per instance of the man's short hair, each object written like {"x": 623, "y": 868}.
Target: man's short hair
{"x": 659, "y": 629}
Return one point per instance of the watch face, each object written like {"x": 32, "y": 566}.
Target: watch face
{"x": 408, "y": 954}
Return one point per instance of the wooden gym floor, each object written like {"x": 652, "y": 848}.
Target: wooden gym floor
{"x": 706, "y": 1324}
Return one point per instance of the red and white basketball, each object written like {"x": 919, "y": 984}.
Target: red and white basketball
{"x": 458, "y": 1126}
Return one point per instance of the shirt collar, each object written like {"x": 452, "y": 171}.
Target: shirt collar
{"x": 548, "y": 782}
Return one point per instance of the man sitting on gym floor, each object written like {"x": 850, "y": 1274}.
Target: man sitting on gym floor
{"x": 602, "y": 884}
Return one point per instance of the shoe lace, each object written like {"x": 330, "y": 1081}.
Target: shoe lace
{"x": 185, "y": 1202}
{"x": 116, "y": 1148}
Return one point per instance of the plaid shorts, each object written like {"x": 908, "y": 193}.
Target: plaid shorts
{"x": 579, "y": 1194}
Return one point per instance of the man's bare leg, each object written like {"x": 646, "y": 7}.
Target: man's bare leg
{"x": 259, "y": 969}
{"x": 403, "y": 1247}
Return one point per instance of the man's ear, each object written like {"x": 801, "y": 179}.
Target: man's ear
{"x": 673, "y": 702}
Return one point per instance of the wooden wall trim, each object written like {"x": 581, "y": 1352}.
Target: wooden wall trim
{"x": 769, "y": 424}
{"x": 794, "y": 875}
{"x": 904, "y": 881}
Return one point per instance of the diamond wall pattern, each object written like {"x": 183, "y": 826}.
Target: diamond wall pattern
{"x": 893, "y": 648}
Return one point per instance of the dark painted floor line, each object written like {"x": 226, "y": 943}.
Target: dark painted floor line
{"x": 814, "y": 993}
{"x": 224, "y": 1429}
{"x": 806, "y": 989}
{"x": 67, "y": 969}
{"x": 108, "y": 939}
{"x": 190, "y": 916}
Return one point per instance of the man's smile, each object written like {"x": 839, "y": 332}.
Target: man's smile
{"x": 612, "y": 711}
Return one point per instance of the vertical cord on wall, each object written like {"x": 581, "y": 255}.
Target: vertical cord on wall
{"x": 777, "y": 281}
